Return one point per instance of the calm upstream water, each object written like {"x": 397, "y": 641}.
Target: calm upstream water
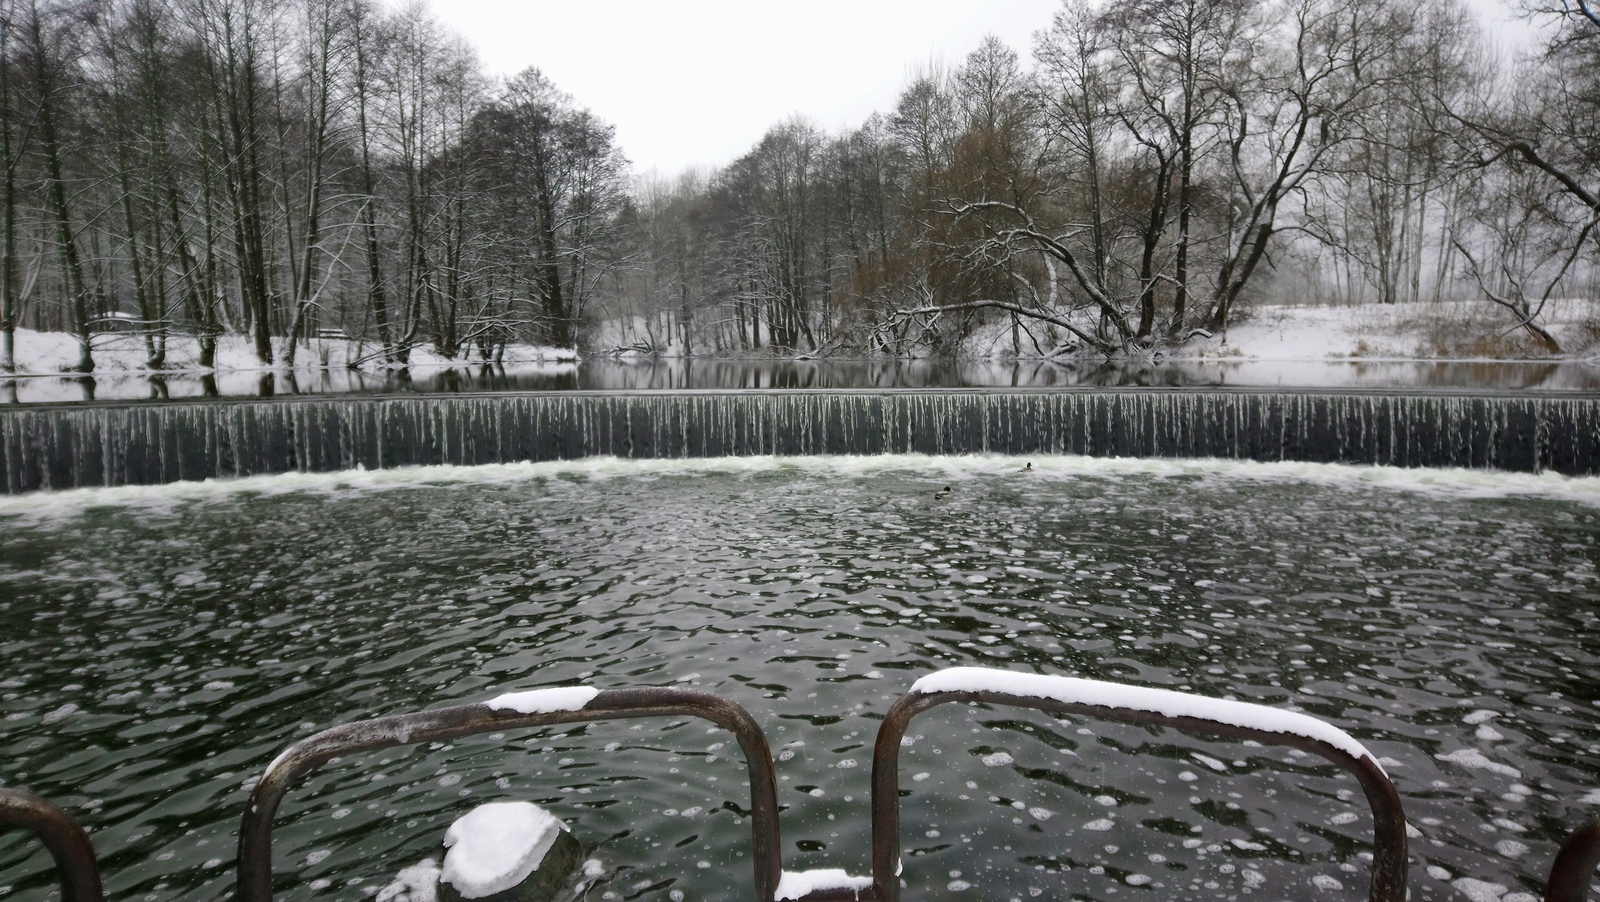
{"x": 162, "y": 645}
{"x": 830, "y": 374}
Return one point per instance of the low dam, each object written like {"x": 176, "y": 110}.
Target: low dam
{"x": 71, "y": 446}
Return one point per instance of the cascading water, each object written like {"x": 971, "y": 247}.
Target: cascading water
{"x": 68, "y": 447}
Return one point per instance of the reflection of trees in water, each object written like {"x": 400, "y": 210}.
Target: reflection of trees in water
{"x": 810, "y": 375}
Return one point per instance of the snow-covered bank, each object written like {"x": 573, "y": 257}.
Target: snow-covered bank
{"x": 55, "y": 353}
{"x": 1447, "y": 331}
{"x": 1451, "y": 330}
{"x": 1444, "y": 331}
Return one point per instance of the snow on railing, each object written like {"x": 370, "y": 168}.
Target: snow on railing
{"x": 1164, "y": 702}
{"x": 1135, "y": 705}
{"x": 1569, "y": 880}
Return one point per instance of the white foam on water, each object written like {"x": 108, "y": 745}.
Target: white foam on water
{"x": 1445, "y": 483}
{"x": 61, "y": 713}
{"x": 1479, "y": 890}
{"x": 1476, "y": 760}
{"x": 1510, "y": 848}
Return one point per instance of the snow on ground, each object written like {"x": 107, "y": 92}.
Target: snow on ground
{"x": 1447, "y": 330}
{"x": 53, "y": 353}
{"x": 1452, "y": 330}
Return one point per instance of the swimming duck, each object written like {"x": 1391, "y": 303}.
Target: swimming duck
{"x": 1028, "y": 468}
{"x": 942, "y": 494}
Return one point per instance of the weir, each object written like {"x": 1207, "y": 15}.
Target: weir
{"x": 74, "y": 446}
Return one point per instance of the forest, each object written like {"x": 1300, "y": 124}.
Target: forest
{"x": 346, "y": 170}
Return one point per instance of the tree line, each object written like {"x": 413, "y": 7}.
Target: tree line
{"x": 341, "y": 170}
{"x": 283, "y": 171}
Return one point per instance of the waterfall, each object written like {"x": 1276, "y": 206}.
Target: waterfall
{"x": 63, "y": 447}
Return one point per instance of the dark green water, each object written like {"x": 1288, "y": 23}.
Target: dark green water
{"x": 160, "y": 646}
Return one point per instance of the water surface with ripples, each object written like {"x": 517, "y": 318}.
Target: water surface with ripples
{"x": 690, "y": 374}
{"x": 163, "y": 644}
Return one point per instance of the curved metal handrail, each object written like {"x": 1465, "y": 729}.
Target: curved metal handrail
{"x": 305, "y": 756}
{"x": 1573, "y": 870}
{"x": 1570, "y": 875}
{"x": 1389, "y": 824}
{"x": 61, "y": 834}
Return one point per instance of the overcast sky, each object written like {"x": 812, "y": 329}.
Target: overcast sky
{"x": 698, "y": 82}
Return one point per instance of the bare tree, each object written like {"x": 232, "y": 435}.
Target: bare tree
{"x": 325, "y": 48}
{"x": 1176, "y": 56}
{"x": 47, "y": 48}
{"x": 1527, "y": 149}
{"x": 1315, "y": 67}
{"x": 15, "y": 130}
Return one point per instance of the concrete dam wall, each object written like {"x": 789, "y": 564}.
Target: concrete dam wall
{"x": 71, "y": 446}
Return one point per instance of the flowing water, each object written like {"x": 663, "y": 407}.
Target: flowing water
{"x": 161, "y": 645}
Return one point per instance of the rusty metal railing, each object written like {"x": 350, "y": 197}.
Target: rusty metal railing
{"x": 1389, "y": 823}
{"x": 255, "y": 833}
{"x": 1569, "y": 881}
{"x": 62, "y": 836}
{"x": 1573, "y": 871}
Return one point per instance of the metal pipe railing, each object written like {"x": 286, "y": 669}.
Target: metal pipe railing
{"x": 79, "y": 875}
{"x": 1573, "y": 870}
{"x": 255, "y": 832}
{"x": 1389, "y": 824}
{"x": 62, "y": 835}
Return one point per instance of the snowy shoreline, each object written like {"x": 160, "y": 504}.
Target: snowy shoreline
{"x": 1451, "y": 332}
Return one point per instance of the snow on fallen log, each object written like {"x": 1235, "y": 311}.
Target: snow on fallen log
{"x": 1165, "y": 702}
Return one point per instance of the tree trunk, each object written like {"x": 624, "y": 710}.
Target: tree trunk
{"x": 71, "y": 263}
{"x": 376, "y": 298}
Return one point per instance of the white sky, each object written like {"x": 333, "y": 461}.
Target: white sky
{"x": 698, "y": 82}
